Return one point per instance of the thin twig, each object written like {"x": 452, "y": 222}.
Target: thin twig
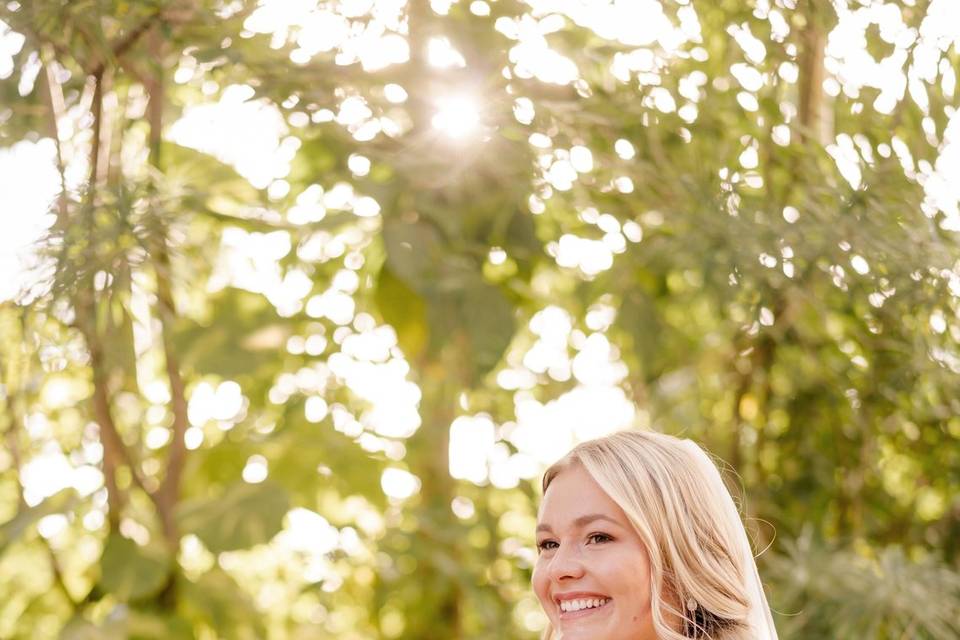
{"x": 57, "y": 107}
{"x": 169, "y": 491}
{"x": 96, "y": 109}
{"x": 125, "y": 43}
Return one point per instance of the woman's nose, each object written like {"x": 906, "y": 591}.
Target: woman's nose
{"x": 566, "y": 563}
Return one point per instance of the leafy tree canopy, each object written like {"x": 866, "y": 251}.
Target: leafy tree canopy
{"x": 323, "y": 286}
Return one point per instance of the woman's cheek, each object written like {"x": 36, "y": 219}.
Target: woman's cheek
{"x": 539, "y": 582}
{"x": 536, "y": 578}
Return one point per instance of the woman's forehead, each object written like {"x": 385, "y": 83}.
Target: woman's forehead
{"x": 574, "y": 497}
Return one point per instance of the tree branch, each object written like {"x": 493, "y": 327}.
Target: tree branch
{"x": 96, "y": 108}
{"x": 169, "y": 492}
{"x": 125, "y": 43}
{"x": 814, "y": 126}
{"x": 115, "y": 451}
{"x": 57, "y": 107}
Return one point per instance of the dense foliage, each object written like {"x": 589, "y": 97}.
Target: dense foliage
{"x": 289, "y": 367}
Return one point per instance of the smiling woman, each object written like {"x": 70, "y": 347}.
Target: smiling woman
{"x": 639, "y": 539}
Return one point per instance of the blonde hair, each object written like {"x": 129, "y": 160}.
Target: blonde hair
{"x": 699, "y": 553}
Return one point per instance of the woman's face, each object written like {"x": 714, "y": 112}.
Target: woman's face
{"x": 592, "y": 575}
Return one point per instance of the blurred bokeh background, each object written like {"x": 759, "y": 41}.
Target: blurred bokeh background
{"x": 300, "y": 297}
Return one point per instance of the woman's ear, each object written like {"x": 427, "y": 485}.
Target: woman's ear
{"x": 669, "y": 605}
{"x": 705, "y": 624}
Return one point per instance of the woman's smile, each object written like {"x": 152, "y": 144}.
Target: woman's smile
{"x": 576, "y": 608}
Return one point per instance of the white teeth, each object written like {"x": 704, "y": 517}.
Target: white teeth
{"x": 577, "y": 605}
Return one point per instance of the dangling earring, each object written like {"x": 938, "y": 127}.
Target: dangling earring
{"x": 691, "y": 604}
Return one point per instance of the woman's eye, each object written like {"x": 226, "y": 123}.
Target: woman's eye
{"x": 599, "y": 538}
{"x": 546, "y": 545}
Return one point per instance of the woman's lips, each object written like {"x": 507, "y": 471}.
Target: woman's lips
{"x": 582, "y": 613}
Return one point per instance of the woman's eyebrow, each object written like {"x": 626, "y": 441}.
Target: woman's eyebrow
{"x": 582, "y": 521}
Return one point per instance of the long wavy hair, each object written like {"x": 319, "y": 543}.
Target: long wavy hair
{"x": 704, "y": 580}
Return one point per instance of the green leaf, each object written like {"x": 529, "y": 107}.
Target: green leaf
{"x": 217, "y": 599}
{"x": 241, "y": 517}
{"x": 303, "y": 446}
{"x": 217, "y": 185}
{"x": 79, "y": 629}
{"x": 129, "y": 624}
{"x": 242, "y": 335}
{"x": 488, "y": 318}
{"x": 13, "y": 529}
{"x": 118, "y": 324}
{"x": 404, "y": 310}
{"x": 521, "y": 240}
{"x": 877, "y": 47}
{"x": 132, "y": 572}
{"x": 148, "y": 625}
{"x": 639, "y": 318}
{"x": 415, "y": 253}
